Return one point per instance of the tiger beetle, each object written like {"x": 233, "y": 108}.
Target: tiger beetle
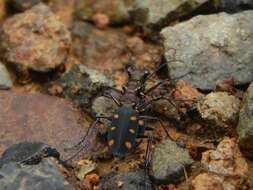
{"x": 127, "y": 124}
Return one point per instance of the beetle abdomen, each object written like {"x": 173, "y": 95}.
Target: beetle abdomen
{"x": 123, "y": 131}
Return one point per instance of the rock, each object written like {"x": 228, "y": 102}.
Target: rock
{"x": 245, "y": 125}
{"x": 22, "y": 5}
{"x": 116, "y": 10}
{"x": 2, "y": 10}
{"x": 44, "y": 175}
{"x": 184, "y": 91}
{"x": 35, "y": 39}
{"x": 158, "y": 13}
{"x": 207, "y": 50}
{"x": 219, "y": 108}
{"x": 5, "y": 79}
{"x": 234, "y": 5}
{"x": 92, "y": 180}
{"x": 30, "y": 153}
{"x": 207, "y": 181}
{"x": 134, "y": 180}
{"x": 166, "y": 109}
{"x": 226, "y": 163}
{"x": 43, "y": 118}
{"x": 168, "y": 162}
{"x": 81, "y": 84}
{"x": 111, "y": 53}
{"x": 103, "y": 105}
{"x": 64, "y": 10}
{"x": 101, "y": 20}
{"x": 86, "y": 167}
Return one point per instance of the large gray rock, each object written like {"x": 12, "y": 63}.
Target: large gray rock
{"x": 245, "y": 125}
{"x": 28, "y": 153}
{"x": 28, "y": 166}
{"x": 159, "y": 12}
{"x": 5, "y": 79}
{"x": 81, "y": 84}
{"x": 169, "y": 162}
{"x": 207, "y": 50}
{"x": 43, "y": 176}
{"x": 134, "y": 180}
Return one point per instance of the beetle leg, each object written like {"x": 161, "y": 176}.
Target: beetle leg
{"x": 156, "y": 119}
{"x": 148, "y": 152}
{"x": 145, "y": 105}
{"x": 97, "y": 118}
{"x": 142, "y": 137}
{"x": 159, "y": 83}
{"x": 149, "y": 128}
{"x": 85, "y": 141}
{"x": 147, "y": 160}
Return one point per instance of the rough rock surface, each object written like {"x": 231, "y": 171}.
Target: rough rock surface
{"x": 226, "y": 163}
{"x": 44, "y": 175}
{"x": 116, "y": 10}
{"x": 30, "y": 153}
{"x": 81, "y": 84}
{"x": 160, "y": 12}
{"x": 184, "y": 91}
{"x": 168, "y": 162}
{"x": 37, "y": 117}
{"x": 111, "y": 53}
{"x": 245, "y": 125}
{"x": 134, "y": 180}
{"x": 35, "y": 39}
{"x": 5, "y": 80}
{"x": 219, "y": 108}
{"x": 235, "y": 5}
{"x": 2, "y": 10}
{"x": 22, "y": 5}
{"x": 103, "y": 105}
{"x": 64, "y": 10}
{"x": 208, "y": 50}
{"x": 207, "y": 181}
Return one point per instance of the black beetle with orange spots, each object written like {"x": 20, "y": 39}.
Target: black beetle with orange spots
{"x": 127, "y": 124}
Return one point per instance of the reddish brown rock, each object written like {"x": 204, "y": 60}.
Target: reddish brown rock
{"x": 35, "y": 39}
{"x": 226, "y": 160}
{"x": 184, "y": 91}
{"x": 64, "y": 10}
{"x": 38, "y": 117}
{"x": 101, "y": 20}
{"x": 207, "y": 181}
{"x": 226, "y": 164}
{"x": 2, "y": 10}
